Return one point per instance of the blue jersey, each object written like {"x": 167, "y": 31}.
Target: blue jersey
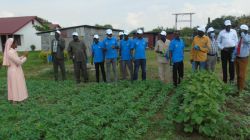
{"x": 125, "y": 48}
{"x": 139, "y": 45}
{"x": 97, "y": 52}
{"x": 108, "y": 43}
{"x": 176, "y": 47}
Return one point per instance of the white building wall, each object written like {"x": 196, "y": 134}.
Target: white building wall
{"x": 29, "y": 37}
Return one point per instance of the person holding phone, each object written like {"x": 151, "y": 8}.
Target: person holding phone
{"x": 17, "y": 90}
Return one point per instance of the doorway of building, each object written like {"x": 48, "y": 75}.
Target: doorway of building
{"x": 3, "y": 40}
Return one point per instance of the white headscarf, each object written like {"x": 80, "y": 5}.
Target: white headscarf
{"x": 8, "y": 44}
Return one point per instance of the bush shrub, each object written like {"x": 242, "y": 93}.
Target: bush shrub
{"x": 198, "y": 103}
{"x": 33, "y": 47}
{"x": 45, "y": 54}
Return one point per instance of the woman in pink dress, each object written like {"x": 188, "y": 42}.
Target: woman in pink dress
{"x": 17, "y": 90}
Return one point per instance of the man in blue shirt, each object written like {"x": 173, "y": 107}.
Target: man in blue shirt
{"x": 98, "y": 56}
{"x": 139, "y": 46}
{"x": 126, "y": 46}
{"x": 176, "y": 49}
{"x": 110, "y": 47}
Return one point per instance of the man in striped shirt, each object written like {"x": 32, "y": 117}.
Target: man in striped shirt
{"x": 213, "y": 52}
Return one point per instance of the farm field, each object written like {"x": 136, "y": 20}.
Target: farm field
{"x": 202, "y": 108}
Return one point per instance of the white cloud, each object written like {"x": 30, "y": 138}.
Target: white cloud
{"x": 6, "y": 14}
{"x": 134, "y": 19}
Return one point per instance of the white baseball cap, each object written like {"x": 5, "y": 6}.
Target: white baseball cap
{"x": 139, "y": 31}
{"x": 211, "y": 29}
{"x": 58, "y": 31}
{"x": 227, "y": 23}
{"x": 244, "y": 27}
{"x": 75, "y": 34}
{"x": 163, "y": 33}
{"x": 121, "y": 33}
{"x": 108, "y": 31}
{"x": 201, "y": 28}
{"x": 96, "y": 36}
{"x": 126, "y": 32}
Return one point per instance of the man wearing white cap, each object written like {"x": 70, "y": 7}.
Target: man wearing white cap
{"x": 98, "y": 56}
{"x": 161, "y": 49}
{"x": 176, "y": 50}
{"x": 57, "y": 52}
{"x": 200, "y": 47}
{"x": 227, "y": 40}
{"x": 121, "y": 37}
{"x": 77, "y": 52}
{"x": 110, "y": 47}
{"x": 139, "y": 47}
{"x": 242, "y": 53}
{"x": 126, "y": 46}
{"x": 213, "y": 54}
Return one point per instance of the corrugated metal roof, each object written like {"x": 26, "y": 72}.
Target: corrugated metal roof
{"x": 87, "y": 26}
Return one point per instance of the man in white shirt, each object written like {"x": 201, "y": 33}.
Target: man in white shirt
{"x": 227, "y": 40}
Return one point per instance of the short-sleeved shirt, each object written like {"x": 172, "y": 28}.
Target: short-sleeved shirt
{"x": 108, "y": 43}
{"x": 126, "y": 46}
{"x": 139, "y": 45}
{"x": 177, "y": 48}
{"x": 97, "y": 51}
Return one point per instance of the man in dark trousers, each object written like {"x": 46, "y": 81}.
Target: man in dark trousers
{"x": 98, "y": 56}
{"x": 77, "y": 52}
{"x": 227, "y": 40}
{"x": 57, "y": 51}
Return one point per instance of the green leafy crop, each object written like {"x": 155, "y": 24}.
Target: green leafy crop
{"x": 198, "y": 103}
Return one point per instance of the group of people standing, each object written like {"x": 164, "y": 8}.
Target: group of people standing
{"x": 206, "y": 50}
{"x": 107, "y": 51}
{"x": 204, "y": 53}
{"x": 232, "y": 52}
{"x": 127, "y": 50}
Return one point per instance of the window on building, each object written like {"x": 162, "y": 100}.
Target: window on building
{"x": 17, "y": 38}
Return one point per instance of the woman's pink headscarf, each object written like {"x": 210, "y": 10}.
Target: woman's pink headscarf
{"x": 8, "y": 44}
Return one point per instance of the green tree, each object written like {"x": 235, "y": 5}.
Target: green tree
{"x": 108, "y": 26}
{"x": 244, "y": 20}
{"x": 43, "y": 27}
{"x": 218, "y": 23}
{"x": 44, "y": 24}
{"x": 186, "y": 32}
{"x": 161, "y": 28}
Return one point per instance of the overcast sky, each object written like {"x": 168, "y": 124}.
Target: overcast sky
{"x": 123, "y": 14}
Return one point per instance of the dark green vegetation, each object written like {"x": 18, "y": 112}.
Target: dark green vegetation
{"x": 197, "y": 107}
{"x": 201, "y": 108}
{"x": 65, "y": 111}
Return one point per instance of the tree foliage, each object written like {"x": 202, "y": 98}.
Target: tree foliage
{"x": 44, "y": 24}
{"x": 186, "y": 32}
{"x": 108, "y": 26}
{"x": 161, "y": 28}
{"x": 218, "y": 23}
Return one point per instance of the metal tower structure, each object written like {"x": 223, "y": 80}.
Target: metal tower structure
{"x": 183, "y": 14}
